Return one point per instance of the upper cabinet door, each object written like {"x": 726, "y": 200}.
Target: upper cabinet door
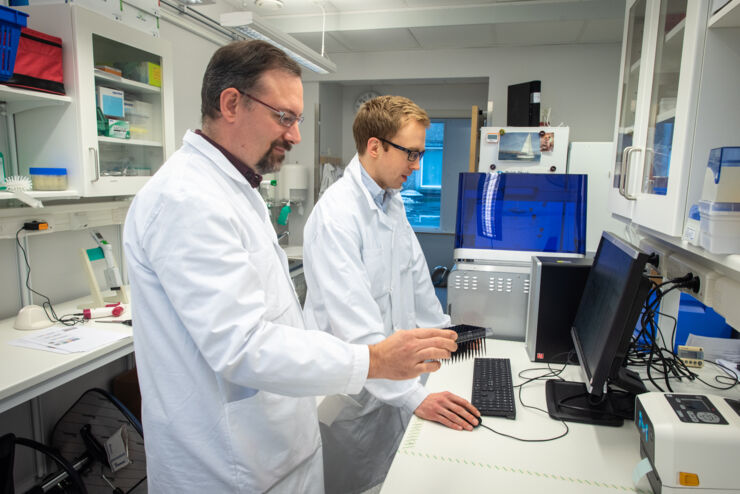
{"x": 119, "y": 128}
{"x": 657, "y": 113}
{"x": 671, "y": 117}
{"x": 626, "y": 133}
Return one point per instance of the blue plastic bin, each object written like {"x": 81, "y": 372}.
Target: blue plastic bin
{"x": 11, "y": 22}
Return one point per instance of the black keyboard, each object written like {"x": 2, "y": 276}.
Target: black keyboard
{"x": 493, "y": 392}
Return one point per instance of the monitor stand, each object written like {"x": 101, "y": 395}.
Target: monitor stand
{"x": 570, "y": 401}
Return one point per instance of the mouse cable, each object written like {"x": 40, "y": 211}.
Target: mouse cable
{"x": 550, "y": 373}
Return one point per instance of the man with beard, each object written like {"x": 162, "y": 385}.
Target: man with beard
{"x": 226, "y": 369}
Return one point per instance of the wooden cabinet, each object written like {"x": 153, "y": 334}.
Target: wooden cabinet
{"x": 69, "y": 136}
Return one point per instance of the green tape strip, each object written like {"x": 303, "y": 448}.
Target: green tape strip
{"x": 520, "y": 471}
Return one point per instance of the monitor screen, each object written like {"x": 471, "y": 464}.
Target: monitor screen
{"x": 611, "y": 303}
{"x": 606, "y": 316}
{"x": 535, "y": 212}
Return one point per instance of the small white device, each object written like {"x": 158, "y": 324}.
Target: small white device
{"x": 691, "y": 441}
{"x": 32, "y": 317}
{"x": 692, "y": 356}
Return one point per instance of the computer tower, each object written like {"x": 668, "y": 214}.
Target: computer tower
{"x": 556, "y": 286}
{"x": 523, "y": 104}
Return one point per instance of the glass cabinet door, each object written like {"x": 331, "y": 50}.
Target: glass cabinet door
{"x": 662, "y": 110}
{"x": 629, "y": 83}
{"x": 128, "y": 109}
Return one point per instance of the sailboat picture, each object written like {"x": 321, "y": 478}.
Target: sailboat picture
{"x": 517, "y": 146}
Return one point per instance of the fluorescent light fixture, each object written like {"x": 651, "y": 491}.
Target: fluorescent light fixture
{"x": 252, "y": 26}
{"x": 190, "y": 3}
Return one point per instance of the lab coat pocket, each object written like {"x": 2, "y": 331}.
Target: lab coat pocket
{"x": 271, "y": 435}
{"x": 377, "y": 272}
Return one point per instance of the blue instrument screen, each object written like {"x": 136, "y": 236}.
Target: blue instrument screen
{"x": 522, "y": 212}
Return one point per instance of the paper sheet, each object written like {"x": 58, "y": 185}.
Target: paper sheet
{"x": 716, "y": 348}
{"x": 68, "y": 339}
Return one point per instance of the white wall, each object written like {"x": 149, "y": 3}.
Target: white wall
{"x": 579, "y": 82}
{"x": 453, "y": 99}
{"x": 191, "y": 54}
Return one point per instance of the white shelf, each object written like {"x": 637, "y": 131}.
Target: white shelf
{"x": 727, "y": 16}
{"x": 124, "y": 84}
{"x": 130, "y": 142}
{"x": 675, "y": 31}
{"x": 45, "y": 194}
{"x": 22, "y": 99}
{"x": 727, "y": 263}
{"x": 662, "y": 117}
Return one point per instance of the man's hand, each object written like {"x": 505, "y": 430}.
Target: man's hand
{"x": 449, "y": 410}
{"x": 409, "y": 353}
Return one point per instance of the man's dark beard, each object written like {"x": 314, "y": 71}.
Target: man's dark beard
{"x": 268, "y": 164}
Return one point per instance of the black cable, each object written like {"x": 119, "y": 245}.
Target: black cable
{"x": 66, "y": 319}
{"x": 550, "y": 373}
{"x": 648, "y": 347}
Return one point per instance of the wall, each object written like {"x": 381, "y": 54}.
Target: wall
{"x": 579, "y": 82}
{"x": 191, "y": 54}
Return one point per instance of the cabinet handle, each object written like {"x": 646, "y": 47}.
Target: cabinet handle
{"x": 97, "y": 165}
{"x": 626, "y": 175}
{"x": 625, "y": 153}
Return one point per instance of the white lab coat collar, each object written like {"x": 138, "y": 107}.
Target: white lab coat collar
{"x": 355, "y": 174}
{"x": 214, "y": 155}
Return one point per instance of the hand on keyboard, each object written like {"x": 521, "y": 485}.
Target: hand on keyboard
{"x": 449, "y": 410}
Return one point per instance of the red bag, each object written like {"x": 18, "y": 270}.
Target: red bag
{"x": 38, "y": 63}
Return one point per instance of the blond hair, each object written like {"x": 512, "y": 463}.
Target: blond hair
{"x": 383, "y": 117}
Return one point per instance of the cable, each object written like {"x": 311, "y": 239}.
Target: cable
{"x": 67, "y": 320}
{"x": 648, "y": 347}
{"x": 550, "y": 373}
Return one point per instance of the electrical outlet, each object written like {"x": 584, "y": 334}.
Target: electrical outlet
{"x": 656, "y": 248}
{"x": 678, "y": 265}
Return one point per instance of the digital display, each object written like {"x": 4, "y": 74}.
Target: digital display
{"x": 694, "y": 404}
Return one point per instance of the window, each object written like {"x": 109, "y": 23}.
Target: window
{"x": 421, "y": 193}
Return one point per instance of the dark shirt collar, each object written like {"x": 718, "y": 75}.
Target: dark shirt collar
{"x": 253, "y": 178}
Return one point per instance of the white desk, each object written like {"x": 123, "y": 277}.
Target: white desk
{"x": 435, "y": 459}
{"x": 26, "y": 373}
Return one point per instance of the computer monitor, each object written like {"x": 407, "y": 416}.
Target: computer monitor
{"x": 612, "y": 300}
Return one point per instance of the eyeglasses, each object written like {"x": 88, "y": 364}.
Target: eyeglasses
{"x": 287, "y": 119}
{"x": 412, "y": 155}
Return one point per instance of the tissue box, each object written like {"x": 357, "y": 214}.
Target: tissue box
{"x": 110, "y": 101}
{"x": 722, "y": 177}
{"x": 118, "y": 128}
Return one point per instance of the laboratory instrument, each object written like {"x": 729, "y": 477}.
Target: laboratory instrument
{"x": 691, "y": 442}
{"x": 503, "y": 219}
{"x": 471, "y": 341}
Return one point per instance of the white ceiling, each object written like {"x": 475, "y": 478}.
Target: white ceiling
{"x": 356, "y": 26}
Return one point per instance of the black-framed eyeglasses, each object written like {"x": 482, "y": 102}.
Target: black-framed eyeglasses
{"x": 412, "y": 155}
{"x": 287, "y": 119}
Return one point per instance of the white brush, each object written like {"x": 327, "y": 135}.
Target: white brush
{"x": 18, "y": 185}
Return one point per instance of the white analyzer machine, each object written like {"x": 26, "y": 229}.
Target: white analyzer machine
{"x": 691, "y": 441}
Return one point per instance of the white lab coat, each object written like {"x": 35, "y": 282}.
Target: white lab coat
{"x": 366, "y": 277}
{"x": 226, "y": 377}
